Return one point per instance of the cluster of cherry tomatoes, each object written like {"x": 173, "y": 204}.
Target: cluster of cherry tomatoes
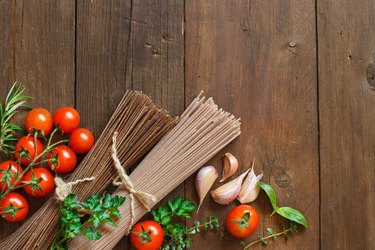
{"x": 38, "y": 181}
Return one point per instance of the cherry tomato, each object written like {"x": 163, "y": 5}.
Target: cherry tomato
{"x": 34, "y": 149}
{"x": 147, "y": 235}
{"x": 9, "y": 175}
{"x": 14, "y": 207}
{"x": 242, "y": 221}
{"x": 42, "y": 188}
{"x": 81, "y": 140}
{"x": 39, "y": 119}
{"x": 62, "y": 159}
{"x": 67, "y": 118}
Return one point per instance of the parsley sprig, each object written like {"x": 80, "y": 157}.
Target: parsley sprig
{"x": 177, "y": 236}
{"x": 98, "y": 210}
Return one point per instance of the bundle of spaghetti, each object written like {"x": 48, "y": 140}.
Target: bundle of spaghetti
{"x": 140, "y": 124}
{"x": 202, "y": 132}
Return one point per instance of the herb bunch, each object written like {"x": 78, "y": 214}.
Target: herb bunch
{"x": 13, "y": 102}
{"x": 82, "y": 218}
{"x": 177, "y": 236}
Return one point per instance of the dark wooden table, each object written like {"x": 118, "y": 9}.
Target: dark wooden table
{"x": 298, "y": 73}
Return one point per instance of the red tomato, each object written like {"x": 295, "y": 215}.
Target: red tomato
{"x": 147, "y": 235}
{"x": 42, "y": 188}
{"x": 13, "y": 166}
{"x": 67, "y": 118}
{"x": 81, "y": 140}
{"x": 39, "y": 119}
{"x": 242, "y": 221}
{"x": 66, "y": 160}
{"x": 14, "y": 207}
{"x": 27, "y": 142}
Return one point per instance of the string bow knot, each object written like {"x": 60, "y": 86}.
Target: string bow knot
{"x": 147, "y": 200}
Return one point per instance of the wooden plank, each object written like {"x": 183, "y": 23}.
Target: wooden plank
{"x": 347, "y": 122}
{"x": 258, "y": 60}
{"x": 157, "y": 61}
{"x": 128, "y": 44}
{"x": 7, "y": 20}
{"x": 38, "y": 50}
{"x": 102, "y": 51}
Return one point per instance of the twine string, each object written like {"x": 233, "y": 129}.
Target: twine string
{"x": 147, "y": 200}
{"x": 63, "y": 189}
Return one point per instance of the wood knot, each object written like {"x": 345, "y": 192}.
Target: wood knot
{"x": 282, "y": 179}
{"x": 370, "y": 74}
{"x": 292, "y": 47}
{"x": 292, "y": 44}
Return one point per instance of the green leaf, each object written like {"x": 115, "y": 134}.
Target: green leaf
{"x": 264, "y": 241}
{"x": 293, "y": 215}
{"x": 270, "y": 193}
{"x": 91, "y": 234}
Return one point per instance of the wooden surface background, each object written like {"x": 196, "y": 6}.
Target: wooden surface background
{"x": 300, "y": 74}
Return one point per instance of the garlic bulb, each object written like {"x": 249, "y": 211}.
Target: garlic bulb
{"x": 228, "y": 192}
{"x": 250, "y": 190}
{"x": 204, "y": 181}
{"x": 230, "y": 166}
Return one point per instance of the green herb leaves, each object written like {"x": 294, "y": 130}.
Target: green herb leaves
{"x": 99, "y": 209}
{"x": 176, "y": 235}
{"x": 271, "y": 235}
{"x": 286, "y": 212}
{"x": 13, "y": 102}
{"x": 177, "y": 208}
{"x": 292, "y": 215}
{"x": 270, "y": 193}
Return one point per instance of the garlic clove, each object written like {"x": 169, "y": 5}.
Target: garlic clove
{"x": 204, "y": 181}
{"x": 250, "y": 190}
{"x": 230, "y": 166}
{"x": 228, "y": 192}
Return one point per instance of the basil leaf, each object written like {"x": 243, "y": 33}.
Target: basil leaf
{"x": 270, "y": 193}
{"x": 293, "y": 215}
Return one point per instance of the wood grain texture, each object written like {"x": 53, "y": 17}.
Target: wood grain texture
{"x": 128, "y": 44}
{"x": 7, "y": 72}
{"x": 38, "y": 50}
{"x": 258, "y": 60}
{"x": 347, "y": 118}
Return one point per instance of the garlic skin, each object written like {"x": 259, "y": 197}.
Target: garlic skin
{"x": 250, "y": 190}
{"x": 204, "y": 181}
{"x": 230, "y": 166}
{"x": 228, "y": 192}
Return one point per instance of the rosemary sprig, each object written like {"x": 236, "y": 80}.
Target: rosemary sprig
{"x": 13, "y": 102}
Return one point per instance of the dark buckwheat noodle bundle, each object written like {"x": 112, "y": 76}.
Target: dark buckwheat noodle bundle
{"x": 202, "y": 131}
{"x": 140, "y": 125}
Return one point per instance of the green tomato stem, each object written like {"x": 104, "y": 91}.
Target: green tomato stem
{"x": 33, "y": 163}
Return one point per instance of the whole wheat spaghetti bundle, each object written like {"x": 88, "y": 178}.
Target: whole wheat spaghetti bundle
{"x": 202, "y": 131}
{"x": 140, "y": 124}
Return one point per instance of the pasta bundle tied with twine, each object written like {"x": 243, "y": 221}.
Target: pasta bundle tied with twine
{"x": 202, "y": 131}
{"x": 140, "y": 125}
